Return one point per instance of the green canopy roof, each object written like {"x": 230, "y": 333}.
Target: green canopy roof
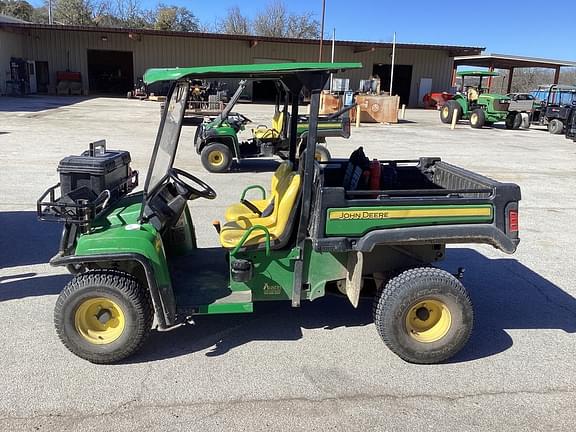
{"x": 273, "y": 70}
{"x": 477, "y": 73}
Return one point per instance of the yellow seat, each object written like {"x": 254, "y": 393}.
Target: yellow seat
{"x": 264, "y": 133}
{"x": 239, "y": 210}
{"x": 278, "y": 223}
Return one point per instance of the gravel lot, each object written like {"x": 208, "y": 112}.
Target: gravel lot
{"x": 320, "y": 367}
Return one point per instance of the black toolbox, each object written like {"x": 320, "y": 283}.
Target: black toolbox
{"x": 97, "y": 170}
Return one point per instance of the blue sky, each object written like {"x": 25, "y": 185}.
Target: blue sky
{"x": 508, "y": 27}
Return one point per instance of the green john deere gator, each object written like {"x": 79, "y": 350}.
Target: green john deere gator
{"x": 354, "y": 226}
{"x": 218, "y": 144}
{"x": 474, "y": 103}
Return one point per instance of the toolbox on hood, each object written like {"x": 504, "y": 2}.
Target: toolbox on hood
{"x": 88, "y": 183}
{"x": 97, "y": 169}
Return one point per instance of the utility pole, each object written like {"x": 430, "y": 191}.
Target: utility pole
{"x": 50, "y": 21}
{"x": 393, "y": 60}
{"x": 322, "y": 30}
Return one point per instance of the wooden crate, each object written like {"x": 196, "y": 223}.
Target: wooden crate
{"x": 377, "y": 109}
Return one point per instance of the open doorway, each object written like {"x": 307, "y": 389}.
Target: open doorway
{"x": 402, "y": 79}
{"x": 42, "y": 76}
{"x": 110, "y": 72}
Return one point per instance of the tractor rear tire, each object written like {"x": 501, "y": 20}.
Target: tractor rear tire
{"x": 216, "y": 157}
{"x": 322, "y": 154}
{"x": 103, "y": 316}
{"x": 424, "y": 315}
{"x": 477, "y": 119}
{"x": 514, "y": 121}
{"x": 450, "y": 108}
{"x": 555, "y": 127}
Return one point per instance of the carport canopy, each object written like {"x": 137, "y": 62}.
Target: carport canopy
{"x": 510, "y": 62}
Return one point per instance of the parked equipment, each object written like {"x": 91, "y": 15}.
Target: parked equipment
{"x": 325, "y": 227}
{"x": 554, "y": 107}
{"x": 218, "y": 144}
{"x": 472, "y": 102}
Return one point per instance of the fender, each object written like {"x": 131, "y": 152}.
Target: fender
{"x": 142, "y": 246}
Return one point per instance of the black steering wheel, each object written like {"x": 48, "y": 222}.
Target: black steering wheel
{"x": 206, "y": 191}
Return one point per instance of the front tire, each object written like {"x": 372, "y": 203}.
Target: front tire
{"x": 103, "y": 316}
{"x": 322, "y": 154}
{"x": 424, "y": 315}
{"x": 555, "y": 127}
{"x": 477, "y": 119}
{"x": 216, "y": 158}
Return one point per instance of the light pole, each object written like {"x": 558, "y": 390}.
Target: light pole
{"x": 322, "y": 30}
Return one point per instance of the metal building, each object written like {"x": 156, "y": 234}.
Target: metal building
{"x": 112, "y": 59}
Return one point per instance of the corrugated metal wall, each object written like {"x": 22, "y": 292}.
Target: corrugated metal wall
{"x": 68, "y": 50}
{"x": 11, "y": 45}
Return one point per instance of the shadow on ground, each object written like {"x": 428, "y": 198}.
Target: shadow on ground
{"x": 505, "y": 293}
{"x": 32, "y": 104}
{"x": 25, "y": 241}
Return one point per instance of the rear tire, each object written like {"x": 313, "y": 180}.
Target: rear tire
{"x": 477, "y": 119}
{"x": 322, "y": 154}
{"x": 424, "y": 315}
{"x": 555, "y": 127}
{"x": 122, "y": 328}
{"x": 514, "y": 121}
{"x": 450, "y": 108}
{"x": 216, "y": 157}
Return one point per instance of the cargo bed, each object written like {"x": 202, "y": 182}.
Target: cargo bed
{"x": 412, "y": 202}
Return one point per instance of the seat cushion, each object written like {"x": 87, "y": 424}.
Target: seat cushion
{"x": 240, "y": 211}
{"x": 278, "y": 223}
{"x": 265, "y": 133}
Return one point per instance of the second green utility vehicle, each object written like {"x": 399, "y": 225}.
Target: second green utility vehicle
{"x": 218, "y": 143}
{"x": 349, "y": 226}
{"x": 481, "y": 108}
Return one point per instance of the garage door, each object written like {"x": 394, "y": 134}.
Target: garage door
{"x": 110, "y": 72}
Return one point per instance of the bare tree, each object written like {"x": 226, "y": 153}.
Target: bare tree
{"x": 73, "y": 12}
{"x": 276, "y": 21}
{"x": 234, "y": 23}
{"x": 175, "y": 18}
{"x": 272, "y": 21}
{"x": 20, "y": 9}
{"x": 303, "y": 26}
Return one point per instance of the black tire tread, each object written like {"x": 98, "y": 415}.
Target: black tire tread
{"x": 121, "y": 281}
{"x": 393, "y": 289}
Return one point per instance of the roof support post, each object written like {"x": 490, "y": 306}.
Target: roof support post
{"x": 491, "y": 69}
{"x": 308, "y": 181}
{"x": 557, "y": 75}
{"x": 510, "y": 76}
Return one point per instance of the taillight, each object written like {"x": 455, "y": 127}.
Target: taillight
{"x": 512, "y": 221}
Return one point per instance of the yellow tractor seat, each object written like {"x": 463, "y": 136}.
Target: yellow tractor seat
{"x": 279, "y": 223}
{"x": 265, "y": 133}
{"x": 240, "y": 210}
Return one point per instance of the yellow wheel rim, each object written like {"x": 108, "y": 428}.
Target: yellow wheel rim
{"x": 99, "y": 320}
{"x": 474, "y": 119}
{"x": 428, "y": 320}
{"x": 216, "y": 158}
{"x": 446, "y": 112}
{"x": 318, "y": 157}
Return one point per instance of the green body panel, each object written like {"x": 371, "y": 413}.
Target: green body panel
{"x": 224, "y": 308}
{"x": 476, "y": 73}
{"x": 273, "y": 274}
{"x": 273, "y": 70}
{"x": 357, "y": 221}
{"x": 486, "y": 102}
{"x": 322, "y": 267}
{"x": 109, "y": 235}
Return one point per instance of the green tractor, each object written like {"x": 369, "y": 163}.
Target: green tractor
{"x": 217, "y": 142}
{"x": 355, "y": 227}
{"x": 472, "y": 103}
